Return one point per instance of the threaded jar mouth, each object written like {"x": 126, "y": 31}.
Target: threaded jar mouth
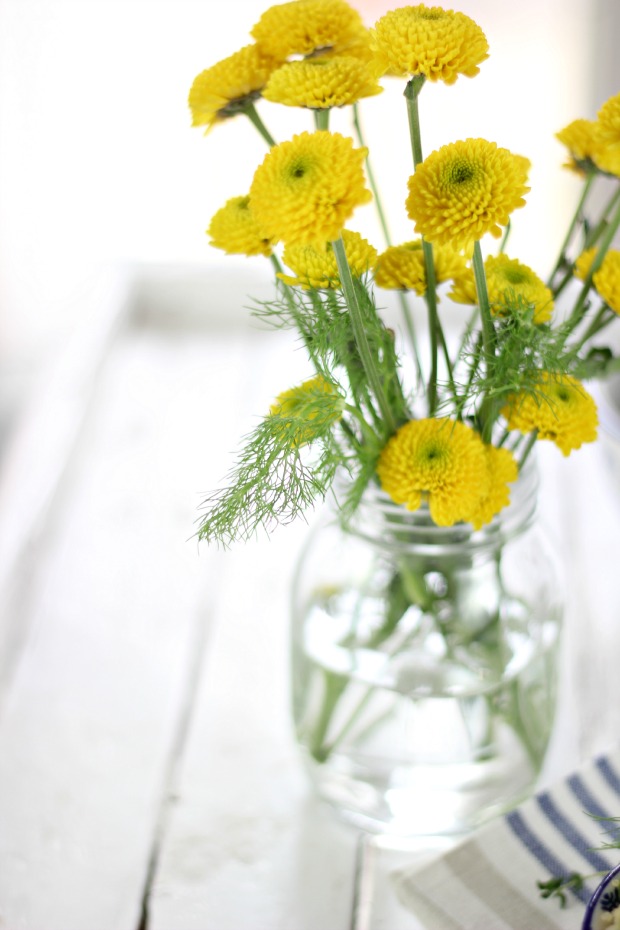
{"x": 381, "y": 522}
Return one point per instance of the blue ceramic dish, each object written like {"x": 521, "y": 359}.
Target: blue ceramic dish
{"x": 605, "y": 900}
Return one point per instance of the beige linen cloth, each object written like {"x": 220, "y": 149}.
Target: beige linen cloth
{"x": 488, "y": 882}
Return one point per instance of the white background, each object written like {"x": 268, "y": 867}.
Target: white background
{"x": 99, "y": 165}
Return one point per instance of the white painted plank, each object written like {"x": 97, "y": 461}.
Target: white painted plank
{"x": 40, "y": 449}
{"x": 117, "y": 598}
{"x": 592, "y": 502}
{"x": 227, "y": 859}
{"x": 248, "y": 847}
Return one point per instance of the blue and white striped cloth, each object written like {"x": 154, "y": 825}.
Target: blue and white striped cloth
{"x": 488, "y": 882}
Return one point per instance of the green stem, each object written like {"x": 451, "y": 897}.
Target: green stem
{"x": 600, "y": 321}
{"x": 594, "y": 233}
{"x": 407, "y": 317}
{"x": 430, "y": 295}
{"x": 502, "y": 245}
{"x": 604, "y": 244}
{"x": 359, "y": 334}
{"x": 531, "y": 442}
{"x": 468, "y": 331}
{"x": 371, "y": 177}
{"x": 515, "y": 721}
{"x": 516, "y": 441}
{"x": 286, "y": 290}
{"x": 558, "y": 288}
{"x": 411, "y": 93}
{"x": 352, "y": 437}
{"x": 334, "y": 687}
{"x": 489, "y": 408}
{"x": 577, "y": 218}
{"x": 412, "y": 336}
{"x": 326, "y": 751}
{"x": 475, "y": 364}
{"x": 359, "y": 387}
{"x": 488, "y": 330}
{"x": 321, "y": 118}
{"x": 416, "y": 590}
{"x": 502, "y": 439}
{"x": 367, "y": 431}
{"x": 254, "y": 118}
{"x": 448, "y": 361}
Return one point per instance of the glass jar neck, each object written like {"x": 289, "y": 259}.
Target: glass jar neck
{"x": 381, "y": 522}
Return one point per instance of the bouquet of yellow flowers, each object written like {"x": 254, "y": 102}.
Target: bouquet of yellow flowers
{"x": 424, "y": 675}
{"x": 457, "y": 435}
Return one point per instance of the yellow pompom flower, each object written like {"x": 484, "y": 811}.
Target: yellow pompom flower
{"x": 314, "y": 267}
{"x": 234, "y": 229}
{"x": 464, "y": 190}
{"x": 307, "y": 188}
{"x": 309, "y": 27}
{"x": 401, "y": 267}
{"x": 511, "y": 285}
{"x": 606, "y": 279}
{"x": 607, "y": 154}
{"x": 581, "y": 139}
{"x": 584, "y": 263}
{"x": 502, "y": 470}
{"x": 308, "y": 410}
{"x": 561, "y": 410}
{"x": 228, "y": 87}
{"x": 321, "y": 83}
{"x": 438, "y": 460}
{"x": 357, "y": 47}
{"x": 430, "y": 41}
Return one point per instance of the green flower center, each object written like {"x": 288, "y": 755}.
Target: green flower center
{"x": 432, "y": 453}
{"x": 515, "y": 275}
{"x": 430, "y": 14}
{"x": 298, "y": 168}
{"x": 461, "y": 172}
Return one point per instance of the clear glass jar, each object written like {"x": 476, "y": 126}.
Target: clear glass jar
{"x": 424, "y": 663}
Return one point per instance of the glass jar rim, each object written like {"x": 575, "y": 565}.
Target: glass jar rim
{"x": 382, "y": 522}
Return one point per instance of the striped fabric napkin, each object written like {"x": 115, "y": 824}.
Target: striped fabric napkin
{"x": 488, "y": 882}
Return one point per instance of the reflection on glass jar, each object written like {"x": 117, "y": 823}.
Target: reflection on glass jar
{"x": 424, "y": 663}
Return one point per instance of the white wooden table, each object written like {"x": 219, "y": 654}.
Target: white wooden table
{"x": 148, "y": 775}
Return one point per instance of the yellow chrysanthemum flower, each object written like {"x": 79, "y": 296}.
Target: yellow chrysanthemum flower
{"x": 234, "y": 229}
{"x": 607, "y": 154}
{"x": 228, "y": 87}
{"x": 510, "y": 285}
{"x": 436, "y": 43}
{"x": 607, "y": 280}
{"x": 401, "y": 267}
{"x": 307, "y": 188}
{"x": 309, "y": 27}
{"x": 561, "y": 410}
{"x": 357, "y": 47}
{"x": 321, "y": 83}
{"x": 314, "y": 267}
{"x": 503, "y": 470}
{"x": 309, "y": 409}
{"x": 581, "y": 139}
{"x": 439, "y": 460}
{"x": 464, "y": 190}
{"x": 584, "y": 263}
